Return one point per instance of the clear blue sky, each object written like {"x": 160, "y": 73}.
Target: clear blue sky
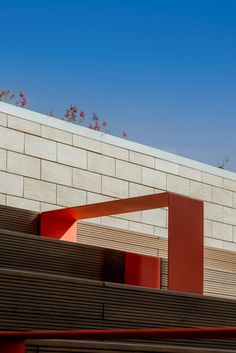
{"x": 163, "y": 70}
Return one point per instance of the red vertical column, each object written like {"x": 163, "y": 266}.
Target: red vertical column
{"x": 142, "y": 270}
{"x": 12, "y": 346}
{"x": 185, "y": 244}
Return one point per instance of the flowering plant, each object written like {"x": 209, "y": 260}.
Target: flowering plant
{"x": 7, "y": 96}
{"x": 72, "y": 114}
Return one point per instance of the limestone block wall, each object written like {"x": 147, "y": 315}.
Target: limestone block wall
{"x": 46, "y": 164}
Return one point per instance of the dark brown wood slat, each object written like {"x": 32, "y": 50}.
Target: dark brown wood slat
{"x": 37, "y": 301}
{"x": 45, "y": 255}
{"x": 110, "y": 347}
{"x": 19, "y": 220}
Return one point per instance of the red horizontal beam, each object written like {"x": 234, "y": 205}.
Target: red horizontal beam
{"x": 108, "y": 208}
{"x": 140, "y": 334}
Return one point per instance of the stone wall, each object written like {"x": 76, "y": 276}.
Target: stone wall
{"x": 46, "y": 163}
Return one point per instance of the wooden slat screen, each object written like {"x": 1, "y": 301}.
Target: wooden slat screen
{"x": 30, "y": 300}
{"x": 19, "y": 220}
{"x": 34, "y": 253}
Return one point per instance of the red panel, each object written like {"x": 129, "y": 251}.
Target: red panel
{"x": 185, "y": 245}
{"x": 142, "y": 270}
{"x": 11, "y": 346}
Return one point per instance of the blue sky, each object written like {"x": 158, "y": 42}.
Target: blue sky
{"x": 164, "y": 70}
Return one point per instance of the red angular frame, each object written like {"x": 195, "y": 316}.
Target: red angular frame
{"x": 185, "y": 231}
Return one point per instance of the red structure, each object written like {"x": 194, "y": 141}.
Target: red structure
{"x": 185, "y": 237}
{"x": 142, "y": 270}
{"x": 14, "y": 342}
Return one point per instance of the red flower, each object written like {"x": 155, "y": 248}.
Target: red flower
{"x": 90, "y": 126}
{"x": 95, "y": 117}
{"x": 23, "y": 102}
{"x": 82, "y": 114}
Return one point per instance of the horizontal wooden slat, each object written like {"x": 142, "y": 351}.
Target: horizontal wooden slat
{"x": 59, "y": 257}
{"x": 30, "y": 300}
{"x": 110, "y": 347}
{"x": 19, "y": 220}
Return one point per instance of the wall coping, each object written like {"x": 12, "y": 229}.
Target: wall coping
{"x": 43, "y": 119}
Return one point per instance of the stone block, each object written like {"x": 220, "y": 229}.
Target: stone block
{"x": 72, "y": 156}
{"x": 131, "y": 216}
{"x": 213, "y": 212}
{"x": 96, "y": 220}
{"x": 115, "y": 187}
{"x": 222, "y": 231}
{"x": 229, "y": 184}
{"x": 142, "y": 159}
{"x": 200, "y": 191}
{"x": 11, "y": 140}
{"x": 20, "y": 202}
{"x": 48, "y": 207}
{"x": 11, "y": 184}
{"x": 3, "y": 119}
{"x": 56, "y": 173}
{"x": 88, "y": 181}
{"x": 141, "y": 228}
{"x": 161, "y": 232}
{"x": 212, "y": 179}
{"x": 178, "y": 185}
{"x": 24, "y": 125}
{"x": 128, "y": 171}
{"x": 207, "y": 228}
{"x": 3, "y": 198}
{"x": 96, "y": 198}
{"x": 40, "y": 190}
{"x": 213, "y": 243}
{"x": 234, "y": 234}
{"x": 229, "y": 246}
{"x": 3, "y": 159}
{"x": 165, "y": 166}
{"x": 222, "y": 196}
{"x": 156, "y": 217}
{"x": 115, "y": 152}
{"x": 154, "y": 178}
{"x": 101, "y": 164}
{"x": 234, "y": 199}
{"x": 229, "y": 216}
{"x": 139, "y": 190}
{"x": 23, "y": 165}
{"x": 115, "y": 222}
{"x": 56, "y": 134}
{"x": 87, "y": 143}
{"x": 40, "y": 147}
{"x": 190, "y": 173}
{"x": 68, "y": 197}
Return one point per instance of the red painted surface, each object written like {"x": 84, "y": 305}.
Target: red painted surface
{"x": 59, "y": 223}
{"x": 114, "y": 334}
{"x": 185, "y": 232}
{"x": 12, "y": 346}
{"x": 185, "y": 244}
{"x": 142, "y": 270}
